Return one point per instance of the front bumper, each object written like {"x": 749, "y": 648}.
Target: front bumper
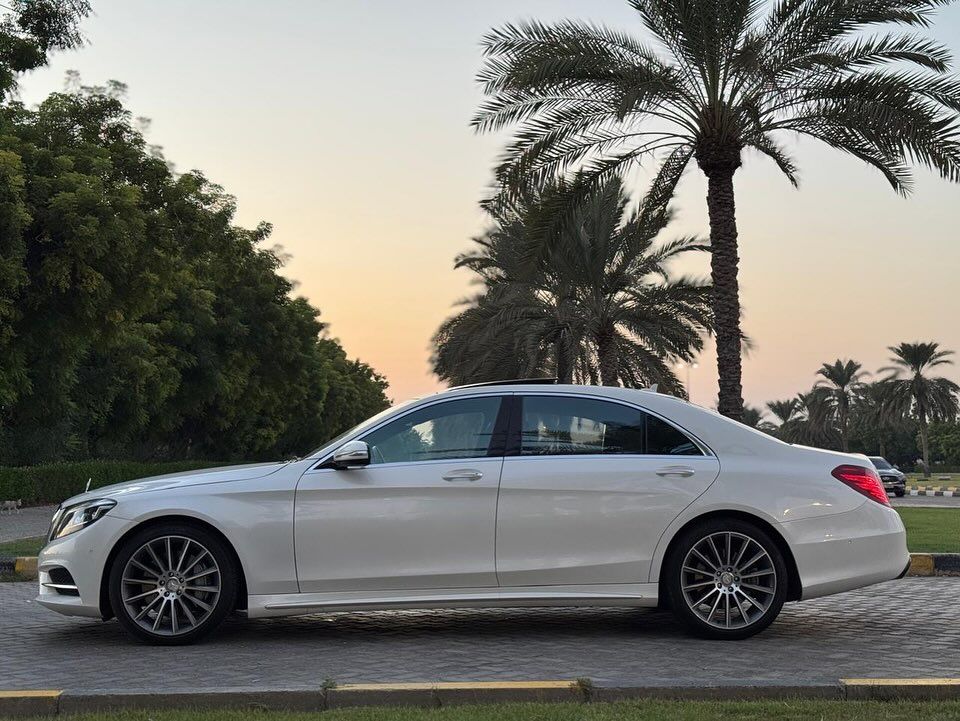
{"x": 83, "y": 555}
{"x": 893, "y": 484}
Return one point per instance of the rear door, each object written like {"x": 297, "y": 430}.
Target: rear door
{"x": 590, "y": 487}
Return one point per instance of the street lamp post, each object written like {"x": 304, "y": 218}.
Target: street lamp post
{"x": 688, "y": 366}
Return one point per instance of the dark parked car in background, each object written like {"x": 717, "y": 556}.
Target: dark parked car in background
{"x": 894, "y": 480}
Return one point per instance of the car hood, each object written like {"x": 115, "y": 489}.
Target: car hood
{"x": 179, "y": 480}
{"x": 892, "y": 472}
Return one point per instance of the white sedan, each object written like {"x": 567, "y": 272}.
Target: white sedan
{"x": 523, "y": 494}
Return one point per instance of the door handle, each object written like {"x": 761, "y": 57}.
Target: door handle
{"x": 679, "y": 471}
{"x": 465, "y": 474}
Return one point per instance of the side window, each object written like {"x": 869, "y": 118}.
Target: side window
{"x": 555, "y": 425}
{"x": 665, "y": 440}
{"x": 456, "y": 429}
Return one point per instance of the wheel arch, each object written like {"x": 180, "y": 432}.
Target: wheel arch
{"x": 794, "y": 584}
{"x": 106, "y": 611}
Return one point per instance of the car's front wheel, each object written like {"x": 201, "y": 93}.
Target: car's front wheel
{"x": 172, "y": 583}
{"x": 726, "y": 579}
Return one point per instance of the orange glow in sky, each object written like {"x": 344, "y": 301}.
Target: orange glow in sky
{"x": 345, "y": 124}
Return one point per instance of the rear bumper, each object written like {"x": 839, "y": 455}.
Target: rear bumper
{"x": 905, "y": 571}
{"x": 850, "y": 550}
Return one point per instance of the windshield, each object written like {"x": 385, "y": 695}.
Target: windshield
{"x": 371, "y": 421}
{"x": 880, "y": 463}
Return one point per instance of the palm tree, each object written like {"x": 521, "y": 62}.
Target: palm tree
{"x": 841, "y": 379}
{"x": 783, "y": 410}
{"x": 597, "y": 306}
{"x": 785, "y": 413}
{"x": 877, "y": 412}
{"x": 753, "y": 417}
{"x": 722, "y": 77}
{"x": 813, "y": 423}
{"x": 931, "y": 398}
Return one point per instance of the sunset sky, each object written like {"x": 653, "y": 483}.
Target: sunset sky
{"x": 345, "y": 124}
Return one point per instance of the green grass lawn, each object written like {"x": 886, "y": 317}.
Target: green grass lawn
{"x": 932, "y": 530}
{"x": 632, "y": 711}
{"x": 22, "y": 547}
{"x": 917, "y": 479}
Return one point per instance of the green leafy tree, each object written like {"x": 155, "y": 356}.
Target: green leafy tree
{"x": 31, "y": 29}
{"x": 598, "y": 305}
{"x": 945, "y": 442}
{"x": 841, "y": 379}
{"x": 138, "y": 319}
{"x": 721, "y": 78}
{"x": 930, "y": 398}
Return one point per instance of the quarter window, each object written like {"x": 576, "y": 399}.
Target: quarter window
{"x": 456, "y": 429}
{"x": 556, "y": 425}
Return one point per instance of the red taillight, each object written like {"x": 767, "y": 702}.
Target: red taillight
{"x": 862, "y": 480}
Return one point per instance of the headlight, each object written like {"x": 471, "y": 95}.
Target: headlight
{"x": 74, "y": 518}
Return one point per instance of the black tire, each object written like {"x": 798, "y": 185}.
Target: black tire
{"x": 900, "y": 493}
{"x": 674, "y": 580}
{"x": 221, "y": 603}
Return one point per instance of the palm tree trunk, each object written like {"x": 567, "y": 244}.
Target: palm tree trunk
{"x": 925, "y": 446}
{"x": 726, "y": 289}
{"x": 608, "y": 358}
{"x": 564, "y": 360}
{"x": 844, "y": 422}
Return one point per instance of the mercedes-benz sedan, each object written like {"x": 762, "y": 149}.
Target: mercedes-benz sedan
{"x": 494, "y": 495}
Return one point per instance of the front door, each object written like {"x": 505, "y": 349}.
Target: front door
{"x": 422, "y": 515}
{"x": 593, "y": 488}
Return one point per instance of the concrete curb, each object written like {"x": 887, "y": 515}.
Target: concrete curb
{"x": 946, "y": 492}
{"x": 24, "y": 568}
{"x": 433, "y": 695}
{"x": 934, "y": 564}
{"x": 890, "y": 689}
{"x": 29, "y": 703}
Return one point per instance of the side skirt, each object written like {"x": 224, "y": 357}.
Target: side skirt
{"x": 292, "y": 604}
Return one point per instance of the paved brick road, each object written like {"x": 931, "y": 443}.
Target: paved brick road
{"x": 29, "y": 522}
{"x": 902, "y": 628}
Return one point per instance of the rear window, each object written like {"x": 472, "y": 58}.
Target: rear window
{"x": 560, "y": 425}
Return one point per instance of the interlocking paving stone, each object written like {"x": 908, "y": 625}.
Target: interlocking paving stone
{"x": 906, "y": 628}
{"x": 26, "y": 524}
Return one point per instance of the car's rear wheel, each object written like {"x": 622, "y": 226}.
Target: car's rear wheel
{"x": 172, "y": 584}
{"x": 726, "y": 579}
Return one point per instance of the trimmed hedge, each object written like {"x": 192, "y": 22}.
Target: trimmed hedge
{"x": 55, "y": 482}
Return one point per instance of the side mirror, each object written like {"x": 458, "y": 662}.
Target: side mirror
{"x": 352, "y": 454}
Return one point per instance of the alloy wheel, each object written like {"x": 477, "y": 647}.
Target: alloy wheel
{"x": 728, "y": 580}
{"x": 170, "y": 585}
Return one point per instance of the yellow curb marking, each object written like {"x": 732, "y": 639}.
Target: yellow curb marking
{"x": 452, "y": 685}
{"x": 901, "y": 681}
{"x": 921, "y": 564}
{"x": 30, "y": 694}
{"x": 25, "y": 564}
